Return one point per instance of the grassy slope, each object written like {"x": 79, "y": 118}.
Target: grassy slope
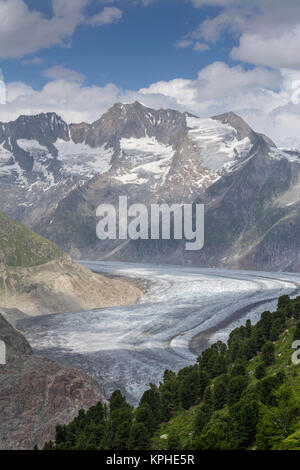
{"x": 21, "y": 247}
{"x": 182, "y": 424}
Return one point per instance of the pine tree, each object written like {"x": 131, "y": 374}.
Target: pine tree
{"x": 145, "y": 416}
{"x": 238, "y": 369}
{"x": 208, "y": 397}
{"x": 203, "y": 415}
{"x": 139, "y": 437}
{"x": 220, "y": 393}
{"x": 174, "y": 441}
{"x": 152, "y": 397}
{"x": 259, "y": 338}
{"x": 266, "y": 323}
{"x": 236, "y": 387}
{"x": 245, "y": 414}
{"x": 275, "y": 332}
{"x": 260, "y": 371}
{"x": 248, "y": 328}
{"x": 283, "y": 301}
{"x": 48, "y": 446}
{"x": 297, "y": 332}
{"x": 268, "y": 353}
{"x": 189, "y": 390}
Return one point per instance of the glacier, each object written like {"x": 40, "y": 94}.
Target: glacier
{"x": 183, "y": 310}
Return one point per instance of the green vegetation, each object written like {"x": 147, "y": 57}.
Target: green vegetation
{"x": 20, "y": 247}
{"x": 241, "y": 395}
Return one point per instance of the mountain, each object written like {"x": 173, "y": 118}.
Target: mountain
{"x": 53, "y": 177}
{"x": 36, "y": 277}
{"x": 37, "y": 394}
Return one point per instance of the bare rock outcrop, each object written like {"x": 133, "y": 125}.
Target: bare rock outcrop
{"x": 37, "y": 394}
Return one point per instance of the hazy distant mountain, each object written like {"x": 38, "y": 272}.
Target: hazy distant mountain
{"x": 54, "y": 175}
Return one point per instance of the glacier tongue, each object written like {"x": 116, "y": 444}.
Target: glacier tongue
{"x": 127, "y": 347}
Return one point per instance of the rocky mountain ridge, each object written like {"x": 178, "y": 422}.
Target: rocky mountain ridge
{"x": 61, "y": 173}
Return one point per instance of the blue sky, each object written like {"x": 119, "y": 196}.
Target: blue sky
{"x": 134, "y": 52}
{"x": 78, "y": 57}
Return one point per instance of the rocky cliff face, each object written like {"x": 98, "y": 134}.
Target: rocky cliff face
{"x": 37, "y": 394}
{"x": 151, "y": 156}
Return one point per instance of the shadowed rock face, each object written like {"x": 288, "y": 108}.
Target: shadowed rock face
{"x": 16, "y": 344}
{"x": 44, "y": 128}
{"x": 37, "y": 394}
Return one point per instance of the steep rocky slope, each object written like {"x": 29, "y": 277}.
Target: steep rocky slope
{"x": 37, "y": 277}
{"x": 37, "y": 394}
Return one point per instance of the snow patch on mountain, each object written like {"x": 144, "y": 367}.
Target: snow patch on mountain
{"x": 41, "y": 160}
{"x": 83, "y": 160}
{"x": 143, "y": 159}
{"x": 291, "y": 155}
{"x": 6, "y": 159}
{"x": 9, "y": 167}
{"x": 31, "y": 146}
{"x": 217, "y": 142}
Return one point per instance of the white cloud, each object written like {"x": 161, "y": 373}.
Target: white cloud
{"x": 213, "y": 82}
{"x": 267, "y": 32}
{"x": 59, "y": 71}
{"x": 145, "y": 3}
{"x": 25, "y": 31}
{"x": 277, "y": 51}
{"x": 106, "y": 16}
{"x": 201, "y": 3}
{"x": 70, "y": 99}
{"x": 67, "y": 8}
{"x": 184, "y": 43}
{"x": 33, "y": 61}
{"x": 201, "y": 47}
{"x": 197, "y": 46}
{"x": 2, "y": 89}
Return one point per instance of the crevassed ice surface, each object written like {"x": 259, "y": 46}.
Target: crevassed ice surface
{"x": 144, "y": 158}
{"x": 81, "y": 159}
{"x": 127, "y": 347}
{"x": 217, "y": 141}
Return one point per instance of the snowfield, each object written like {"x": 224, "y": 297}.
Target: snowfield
{"x": 83, "y": 160}
{"x": 182, "y": 311}
{"x": 218, "y": 143}
{"x": 144, "y": 158}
